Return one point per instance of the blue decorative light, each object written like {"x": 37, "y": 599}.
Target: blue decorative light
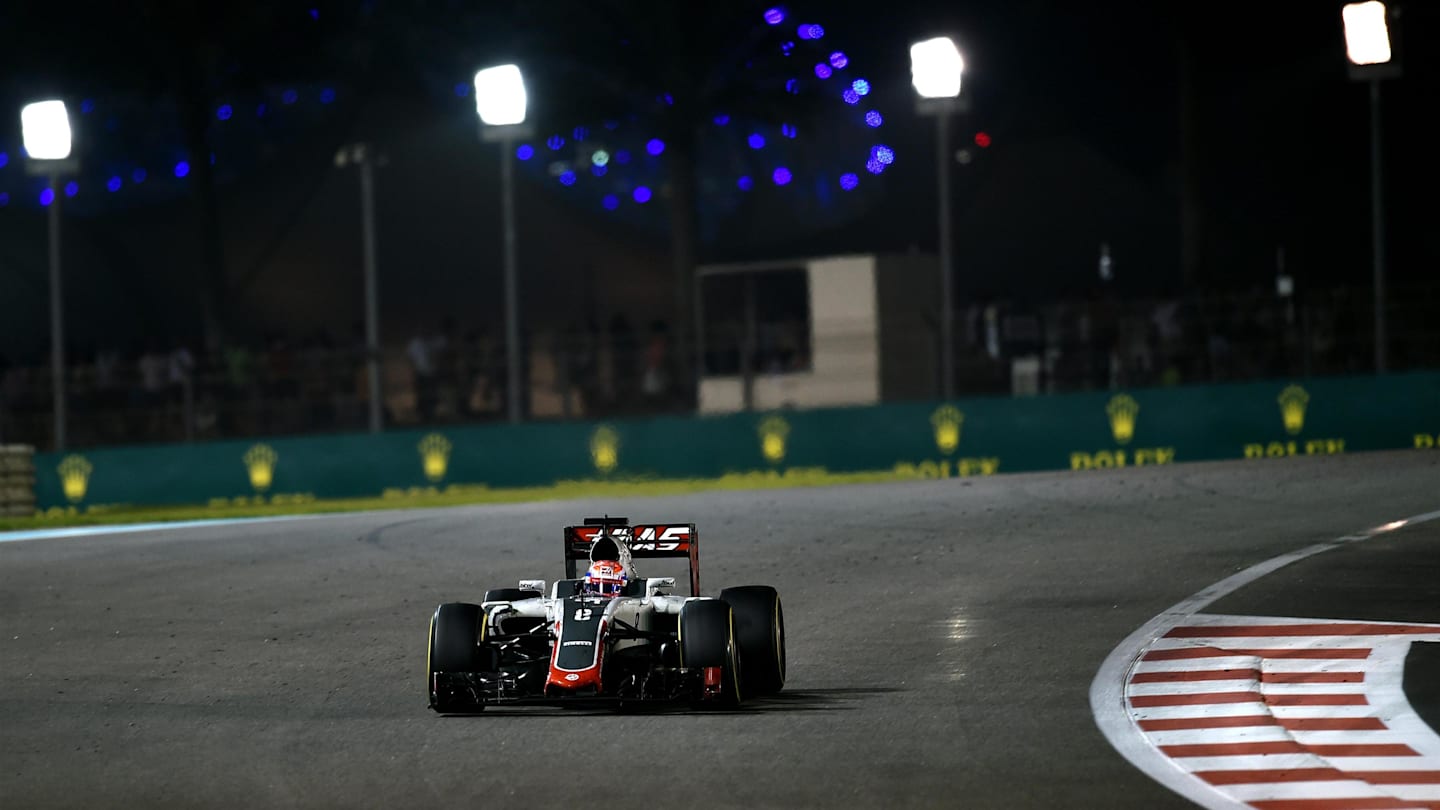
{"x": 839, "y": 60}
{"x": 781, "y": 176}
{"x": 224, "y": 112}
{"x": 314, "y": 13}
{"x": 290, "y": 96}
{"x": 113, "y": 184}
{"x": 756, "y": 140}
{"x": 138, "y": 175}
{"x": 567, "y": 178}
{"x": 849, "y": 181}
{"x": 612, "y": 125}
{"x": 4, "y": 198}
{"x": 655, "y": 146}
{"x": 810, "y": 31}
{"x": 721, "y": 120}
{"x": 182, "y": 168}
{"x": 524, "y": 151}
{"x": 882, "y": 153}
{"x": 668, "y": 99}
{"x": 873, "y": 118}
{"x": 610, "y": 201}
{"x": 87, "y": 106}
{"x": 861, "y": 87}
{"x": 581, "y": 133}
{"x": 598, "y": 170}
{"x": 774, "y": 16}
{"x": 641, "y": 194}
{"x": 792, "y": 86}
{"x": 622, "y": 156}
{"x": 788, "y": 130}
{"x": 787, "y": 47}
{"x": 874, "y": 166}
{"x": 822, "y": 70}
{"x": 260, "y": 110}
{"x": 462, "y": 89}
{"x": 4, "y": 159}
{"x": 554, "y": 142}
{"x": 850, "y": 96}
{"x": 47, "y": 196}
{"x": 745, "y": 183}
{"x": 72, "y": 188}
{"x": 327, "y": 95}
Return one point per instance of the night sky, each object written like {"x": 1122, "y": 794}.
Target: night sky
{"x": 1082, "y": 102}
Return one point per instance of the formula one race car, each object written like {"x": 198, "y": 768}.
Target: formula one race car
{"x": 609, "y": 637}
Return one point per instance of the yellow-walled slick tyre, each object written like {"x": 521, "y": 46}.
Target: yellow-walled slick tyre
{"x": 454, "y": 647}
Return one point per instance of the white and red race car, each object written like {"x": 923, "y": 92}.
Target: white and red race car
{"x": 639, "y": 643}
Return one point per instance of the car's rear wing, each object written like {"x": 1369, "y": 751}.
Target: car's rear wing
{"x": 648, "y": 540}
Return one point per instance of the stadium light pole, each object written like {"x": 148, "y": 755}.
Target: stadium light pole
{"x": 45, "y": 129}
{"x": 363, "y": 156}
{"x": 500, "y": 103}
{"x": 935, "y": 70}
{"x": 1370, "y": 47}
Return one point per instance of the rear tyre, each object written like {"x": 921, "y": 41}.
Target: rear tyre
{"x": 707, "y": 639}
{"x": 508, "y": 595}
{"x": 760, "y": 632}
{"x": 454, "y": 647}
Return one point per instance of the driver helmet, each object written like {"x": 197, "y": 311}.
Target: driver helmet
{"x": 604, "y": 578}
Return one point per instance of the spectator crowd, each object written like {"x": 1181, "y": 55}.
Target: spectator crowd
{"x": 158, "y": 391}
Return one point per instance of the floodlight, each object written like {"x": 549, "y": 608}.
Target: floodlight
{"x": 1367, "y": 35}
{"x": 500, "y": 101}
{"x": 935, "y": 68}
{"x": 500, "y": 95}
{"x": 45, "y": 127}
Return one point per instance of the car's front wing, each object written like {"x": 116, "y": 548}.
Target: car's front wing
{"x": 457, "y": 692}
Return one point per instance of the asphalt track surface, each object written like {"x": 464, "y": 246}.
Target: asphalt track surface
{"x": 942, "y": 640}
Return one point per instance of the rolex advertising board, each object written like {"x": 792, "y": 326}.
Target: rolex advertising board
{"x": 968, "y": 437}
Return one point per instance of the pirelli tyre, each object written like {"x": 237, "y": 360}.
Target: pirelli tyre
{"x": 760, "y": 632}
{"x": 454, "y": 647}
{"x": 707, "y": 639}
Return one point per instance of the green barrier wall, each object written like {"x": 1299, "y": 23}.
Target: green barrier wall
{"x": 981, "y": 436}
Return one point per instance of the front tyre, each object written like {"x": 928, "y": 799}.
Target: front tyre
{"x": 454, "y": 647}
{"x": 760, "y": 631}
{"x": 707, "y": 639}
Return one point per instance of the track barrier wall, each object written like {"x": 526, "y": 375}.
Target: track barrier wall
{"x": 981, "y": 436}
{"x": 17, "y": 480}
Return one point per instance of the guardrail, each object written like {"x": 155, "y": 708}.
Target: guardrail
{"x": 978, "y": 436}
{"x": 17, "y": 480}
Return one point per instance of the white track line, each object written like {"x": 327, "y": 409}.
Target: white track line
{"x": 1108, "y": 689}
{"x": 127, "y": 528}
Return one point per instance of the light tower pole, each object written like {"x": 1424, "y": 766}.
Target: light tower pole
{"x": 500, "y": 102}
{"x": 45, "y": 127}
{"x": 935, "y": 70}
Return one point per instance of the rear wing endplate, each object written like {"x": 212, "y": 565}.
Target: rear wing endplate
{"x": 646, "y": 541}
